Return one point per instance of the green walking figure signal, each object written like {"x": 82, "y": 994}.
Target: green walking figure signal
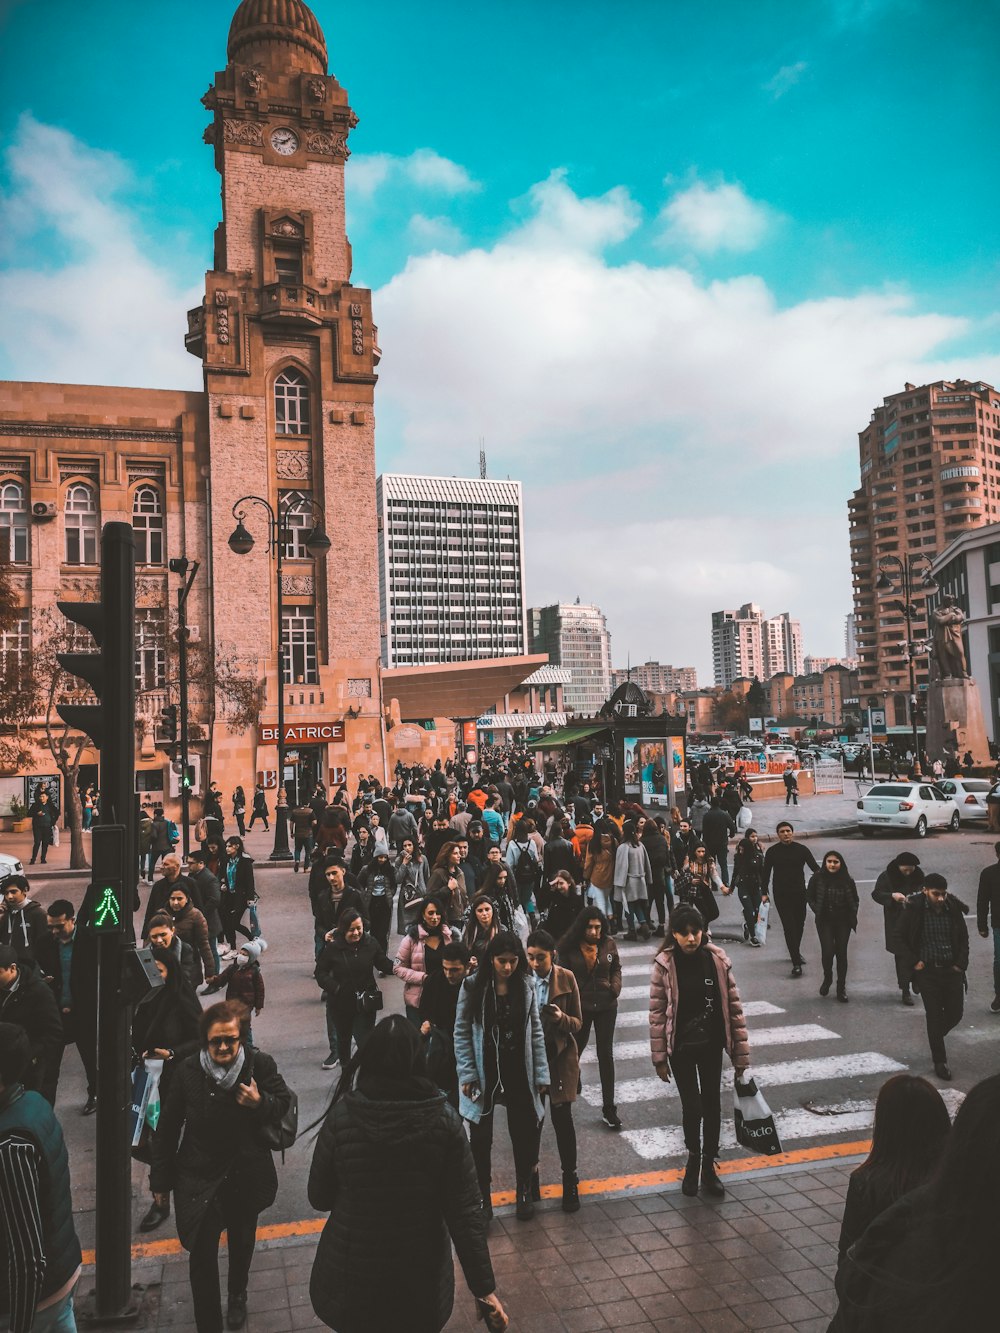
{"x": 108, "y": 911}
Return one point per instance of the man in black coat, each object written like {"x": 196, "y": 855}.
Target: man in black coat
{"x": 786, "y": 861}
{"x": 717, "y": 827}
{"x": 27, "y": 1000}
{"x": 987, "y": 914}
{"x": 22, "y": 920}
{"x": 934, "y": 943}
{"x": 67, "y": 959}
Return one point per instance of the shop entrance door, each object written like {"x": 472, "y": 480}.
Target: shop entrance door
{"x": 304, "y": 769}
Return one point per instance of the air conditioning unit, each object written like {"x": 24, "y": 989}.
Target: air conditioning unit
{"x": 42, "y": 510}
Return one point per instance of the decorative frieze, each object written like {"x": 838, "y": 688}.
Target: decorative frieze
{"x": 298, "y": 585}
{"x": 293, "y": 464}
{"x": 248, "y": 132}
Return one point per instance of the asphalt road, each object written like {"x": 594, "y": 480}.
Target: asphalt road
{"x": 819, "y": 1062}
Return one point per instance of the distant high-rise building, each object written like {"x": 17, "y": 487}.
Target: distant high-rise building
{"x": 850, "y": 638}
{"x": 782, "y": 645}
{"x": 737, "y": 644}
{"x": 656, "y": 677}
{"x": 451, "y": 561}
{"x": 928, "y": 474}
{"x": 575, "y": 635}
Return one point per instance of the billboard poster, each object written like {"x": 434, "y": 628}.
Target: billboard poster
{"x": 646, "y": 771}
{"x": 677, "y": 749}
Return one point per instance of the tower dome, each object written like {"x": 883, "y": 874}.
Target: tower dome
{"x": 285, "y": 33}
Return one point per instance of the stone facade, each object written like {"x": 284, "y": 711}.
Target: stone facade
{"x": 289, "y": 352}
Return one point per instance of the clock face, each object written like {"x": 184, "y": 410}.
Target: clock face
{"x": 284, "y": 141}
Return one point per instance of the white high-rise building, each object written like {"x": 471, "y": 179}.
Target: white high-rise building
{"x": 782, "y": 646}
{"x": 850, "y": 638}
{"x": 737, "y": 644}
{"x": 656, "y": 677}
{"x": 451, "y": 562}
{"x": 575, "y": 635}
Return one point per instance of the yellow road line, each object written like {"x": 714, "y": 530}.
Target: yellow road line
{"x": 311, "y": 1226}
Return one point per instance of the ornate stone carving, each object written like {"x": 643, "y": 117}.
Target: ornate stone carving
{"x": 298, "y": 585}
{"x": 319, "y": 141}
{"x": 88, "y": 585}
{"x": 51, "y": 432}
{"x": 222, "y": 317}
{"x": 286, "y": 227}
{"x": 359, "y": 687}
{"x": 139, "y": 471}
{"x": 249, "y": 132}
{"x": 316, "y": 88}
{"x": 253, "y": 80}
{"x": 357, "y": 329}
{"x": 293, "y": 464}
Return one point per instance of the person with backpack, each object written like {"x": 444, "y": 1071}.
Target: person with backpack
{"x": 526, "y": 867}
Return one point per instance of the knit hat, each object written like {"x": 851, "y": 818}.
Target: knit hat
{"x": 907, "y": 859}
{"x": 254, "y": 948}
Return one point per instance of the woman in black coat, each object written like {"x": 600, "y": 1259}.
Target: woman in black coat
{"x": 345, "y": 972}
{"x": 165, "y": 1027}
{"x": 833, "y": 897}
{"x": 238, "y": 890}
{"x": 221, "y": 1173}
{"x": 658, "y": 850}
{"x": 388, "y": 1137}
{"x": 901, "y": 876}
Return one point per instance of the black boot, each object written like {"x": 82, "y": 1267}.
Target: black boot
{"x": 536, "y": 1186}
{"x": 906, "y": 997}
{"x": 689, "y": 1185}
{"x": 827, "y": 983}
{"x": 571, "y": 1193}
{"x": 710, "y": 1177}
{"x": 525, "y": 1209}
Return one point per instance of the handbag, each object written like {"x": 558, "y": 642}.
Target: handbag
{"x": 755, "y": 1127}
{"x": 370, "y": 1000}
{"x": 763, "y": 916}
{"x": 278, "y": 1137}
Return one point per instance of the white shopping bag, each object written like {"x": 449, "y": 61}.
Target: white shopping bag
{"x": 763, "y": 916}
{"x": 744, "y": 818}
{"x": 755, "y": 1127}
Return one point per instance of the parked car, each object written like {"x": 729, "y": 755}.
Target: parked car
{"x": 9, "y": 865}
{"x": 911, "y": 805}
{"x": 969, "y": 795}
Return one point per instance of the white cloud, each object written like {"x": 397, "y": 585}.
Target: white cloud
{"x": 786, "y": 78}
{"x": 104, "y": 312}
{"x": 423, "y": 169}
{"x": 685, "y": 445}
{"x": 434, "y": 233}
{"x": 710, "y": 218}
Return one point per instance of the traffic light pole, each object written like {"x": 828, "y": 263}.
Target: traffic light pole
{"x": 111, "y": 726}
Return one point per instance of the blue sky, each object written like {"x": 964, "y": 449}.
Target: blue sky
{"x": 664, "y": 257}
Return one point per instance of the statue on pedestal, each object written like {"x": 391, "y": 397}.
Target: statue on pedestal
{"x": 949, "y": 647}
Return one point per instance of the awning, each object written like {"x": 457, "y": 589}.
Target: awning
{"x": 519, "y": 721}
{"x": 456, "y": 689}
{"x": 565, "y": 736}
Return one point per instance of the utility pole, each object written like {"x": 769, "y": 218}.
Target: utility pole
{"x": 181, "y": 565}
{"x": 111, "y": 898}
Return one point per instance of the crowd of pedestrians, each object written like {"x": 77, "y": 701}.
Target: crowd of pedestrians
{"x": 498, "y": 901}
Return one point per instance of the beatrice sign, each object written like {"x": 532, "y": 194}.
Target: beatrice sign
{"x": 303, "y": 733}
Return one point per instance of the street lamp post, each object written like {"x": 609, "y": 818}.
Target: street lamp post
{"x": 317, "y": 543}
{"x": 906, "y": 573}
{"x": 187, "y": 570}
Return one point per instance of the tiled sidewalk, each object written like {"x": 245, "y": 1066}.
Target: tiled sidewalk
{"x": 762, "y": 1258}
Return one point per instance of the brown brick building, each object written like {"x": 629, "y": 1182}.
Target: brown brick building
{"x": 930, "y": 470}
{"x": 289, "y": 352}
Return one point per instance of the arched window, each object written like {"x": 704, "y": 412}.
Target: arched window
{"x": 296, "y": 522}
{"x": 13, "y": 523}
{"x": 291, "y": 403}
{"x": 80, "y": 520}
{"x": 147, "y": 525}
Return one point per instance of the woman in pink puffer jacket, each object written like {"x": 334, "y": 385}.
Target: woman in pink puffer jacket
{"x": 419, "y": 953}
{"x": 695, "y": 1013}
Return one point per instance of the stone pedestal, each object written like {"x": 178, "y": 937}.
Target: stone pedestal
{"x": 955, "y": 720}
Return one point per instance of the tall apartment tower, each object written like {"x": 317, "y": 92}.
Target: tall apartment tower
{"x": 850, "y": 638}
{"x": 930, "y": 458}
{"x": 737, "y": 644}
{"x": 575, "y": 635}
{"x": 450, "y": 562}
{"x": 656, "y": 677}
{"x": 782, "y": 645}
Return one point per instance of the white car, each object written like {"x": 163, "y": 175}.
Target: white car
{"x": 969, "y": 795}
{"x": 910, "y": 805}
{"x": 9, "y": 865}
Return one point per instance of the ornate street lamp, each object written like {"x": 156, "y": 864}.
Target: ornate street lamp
{"x": 317, "y": 543}
{"x": 907, "y": 574}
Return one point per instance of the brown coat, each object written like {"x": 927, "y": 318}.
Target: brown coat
{"x": 663, "y": 1008}
{"x": 192, "y": 928}
{"x": 560, "y": 1036}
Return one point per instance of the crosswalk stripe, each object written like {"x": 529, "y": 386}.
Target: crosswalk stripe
{"x": 782, "y": 1036}
{"x": 844, "y": 1118}
{"x": 637, "y": 1018}
{"x": 848, "y": 1065}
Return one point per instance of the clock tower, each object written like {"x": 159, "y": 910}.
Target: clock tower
{"x": 289, "y": 353}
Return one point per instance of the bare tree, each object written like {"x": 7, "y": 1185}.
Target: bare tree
{"x": 56, "y": 686}
{"x": 19, "y": 687}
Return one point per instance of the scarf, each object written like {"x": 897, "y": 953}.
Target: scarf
{"x": 224, "y": 1077}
